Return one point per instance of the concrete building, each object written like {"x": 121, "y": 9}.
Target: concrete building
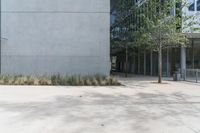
{"x": 146, "y": 61}
{"x": 55, "y": 36}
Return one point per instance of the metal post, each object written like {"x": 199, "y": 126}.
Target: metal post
{"x": 160, "y": 64}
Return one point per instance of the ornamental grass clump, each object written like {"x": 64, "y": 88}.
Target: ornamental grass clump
{"x": 30, "y": 80}
{"x": 95, "y": 82}
{"x": 113, "y": 81}
{"x": 45, "y": 81}
{"x": 88, "y": 81}
{"x": 72, "y": 80}
{"x": 58, "y": 80}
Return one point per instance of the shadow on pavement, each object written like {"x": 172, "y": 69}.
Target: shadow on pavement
{"x": 135, "y": 111}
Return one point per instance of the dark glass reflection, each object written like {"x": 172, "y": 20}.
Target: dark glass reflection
{"x": 191, "y": 5}
{"x": 198, "y": 5}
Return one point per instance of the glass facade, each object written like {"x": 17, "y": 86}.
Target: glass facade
{"x": 194, "y": 5}
{"x": 193, "y": 56}
{"x": 198, "y": 5}
{"x": 191, "y": 5}
{"x": 146, "y": 62}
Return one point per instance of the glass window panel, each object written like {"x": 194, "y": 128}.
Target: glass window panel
{"x": 196, "y": 54}
{"x": 198, "y": 5}
{"x": 191, "y": 5}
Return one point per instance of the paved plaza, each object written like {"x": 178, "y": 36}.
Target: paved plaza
{"x": 140, "y": 106}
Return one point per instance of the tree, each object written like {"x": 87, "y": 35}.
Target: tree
{"x": 163, "y": 28}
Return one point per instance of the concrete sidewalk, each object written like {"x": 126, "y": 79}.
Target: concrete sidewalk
{"x": 141, "y": 106}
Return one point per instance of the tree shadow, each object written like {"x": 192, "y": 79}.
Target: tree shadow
{"x": 136, "y": 111}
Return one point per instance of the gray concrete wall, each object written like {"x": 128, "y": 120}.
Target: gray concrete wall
{"x": 55, "y": 36}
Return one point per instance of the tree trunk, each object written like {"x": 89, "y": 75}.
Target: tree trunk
{"x": 160, "y": 59}
{"x": 160, "y": 64}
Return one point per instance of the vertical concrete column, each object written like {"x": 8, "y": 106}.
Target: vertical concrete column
{"x": 183, "y": 60}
